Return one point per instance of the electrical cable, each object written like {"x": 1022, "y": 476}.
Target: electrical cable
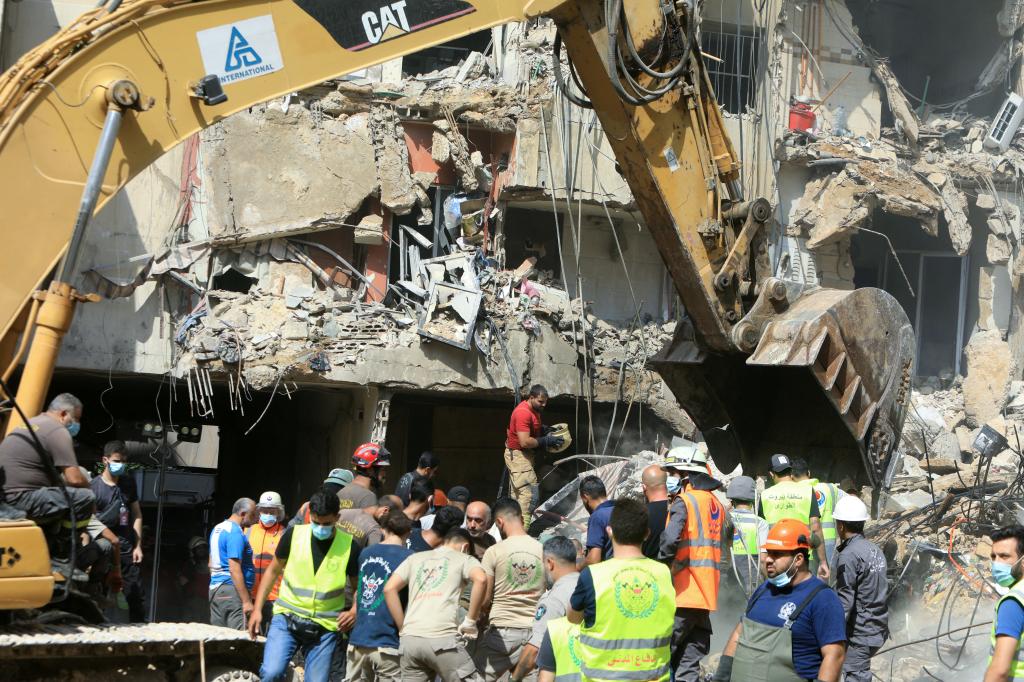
{"x": 560, "y": 83}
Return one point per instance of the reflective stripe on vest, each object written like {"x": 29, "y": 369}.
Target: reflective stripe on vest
{"x": 632, "y": 628}
{"x": 565, "y": 644}
{"x": 699, "y": 551}
{"x": 826, "y": 495}
{"x": 1016, "y": 672}
{"x": 264, "y": 543}
{"x": 744, "y": 536}
{"x": 320, "y": 597}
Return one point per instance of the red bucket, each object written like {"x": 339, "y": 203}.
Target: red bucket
{"x": 801, "y": 117}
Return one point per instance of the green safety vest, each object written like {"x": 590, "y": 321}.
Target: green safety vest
{"x": 826, "y": 495}
{"x": 787, "y": 500}
{"x": 565, "y": 642}
{"x": 744, "y": 533}
{"x": 1017, "y": 665}
{"x": 632, "y": 629}
{"x": 320, "y": 597}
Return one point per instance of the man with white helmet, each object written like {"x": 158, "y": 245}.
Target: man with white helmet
{"x": 860, "y": 582}
{"x": 264, "y": 538}
{"x": 692, "y": 541}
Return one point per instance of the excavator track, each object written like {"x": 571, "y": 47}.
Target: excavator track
{"x": 176, "y": 652}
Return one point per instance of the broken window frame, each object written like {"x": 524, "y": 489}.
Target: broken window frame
{"x": 961, "y": 316}
{"x": 719, "y": 40}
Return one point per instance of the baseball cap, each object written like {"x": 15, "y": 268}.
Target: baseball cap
{"x": 270, "y": 499}
{"x": 741, "y": 488}
{"x": 780, "y": 463}
{"x": 340, "y": 477}
{"x": 459, "y": 493}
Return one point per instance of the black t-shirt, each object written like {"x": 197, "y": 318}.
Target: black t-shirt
{"x": 320, "y": 548}
{"x": 657, "y": 519}
{"x": 416, "y": 542}
{"x": 109, "y": 499}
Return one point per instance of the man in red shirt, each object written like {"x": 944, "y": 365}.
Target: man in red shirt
{"x": 526, "y": 433}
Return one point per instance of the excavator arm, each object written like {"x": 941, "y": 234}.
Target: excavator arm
{"x": 131, "y": 80}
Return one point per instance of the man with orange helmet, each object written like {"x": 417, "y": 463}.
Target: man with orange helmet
{"x": 794, "y": 628}
{"x": 370, "y": 462}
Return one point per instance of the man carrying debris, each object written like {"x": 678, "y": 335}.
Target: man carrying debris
{"x": 1005, "y": 658}
{"x": 793, "y": 628}
{"x": 317, "y": 562}
{"x": 748, "y": 532}
{"x": 371, "y": 462}
{"x": 860, "y": 582}
{"x": 426, "y": 467}
{"x": 525, "y": 435}
{"x": 826, "y": 496}
{"x": 788, "y": 499}
{"x": 432, "y": 645}
{"x": 625, "y": 606}
{"x": 693, "y": 542}
{"x": 515, "y": 581}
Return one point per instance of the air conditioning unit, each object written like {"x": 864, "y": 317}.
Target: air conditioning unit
{"x": 1005, "y": 125}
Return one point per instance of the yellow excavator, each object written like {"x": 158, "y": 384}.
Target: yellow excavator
{"x": 760, "y": 363}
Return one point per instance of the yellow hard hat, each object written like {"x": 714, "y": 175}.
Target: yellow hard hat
{"x": 560, "y": 431}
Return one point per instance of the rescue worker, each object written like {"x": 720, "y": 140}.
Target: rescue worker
{"x": 793, "y": 629}
{"x": 525, "y": 435}
{"x": 625, "y": 606}
{"x": 826, "y": 495}
{"x": 515, "y": 581}
{"x": 692, "y": 540}
{"x": 316, "y": 564}
{"x": 860, "y": 581}
{"x": 335, "y": 481}
{"x": 264, "y": 538}
{"x": 595, "y": 500}
{"x": 426, "y": 467}
{"x": 560, "y": 576}
{"x": 748, "y": 532}
{"x": 232, "y": 573}
{"x": 653, "y": 479}
{"x": 558, "y": 659}
{"x": 371, "y": 462}
{"x": 787, "y": 499}
{"x": 1005, "y": 658}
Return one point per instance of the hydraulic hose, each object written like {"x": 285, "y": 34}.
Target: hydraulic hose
{"x": 560, "y": 82}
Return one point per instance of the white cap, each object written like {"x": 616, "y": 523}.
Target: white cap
{"x": 270, "y": 499}
{"x": 850, "y": 508}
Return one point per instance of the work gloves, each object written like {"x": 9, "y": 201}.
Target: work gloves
{"x": 468, "y": 629}
{"x": 548, "y": 442}
{"x": 724, "y": 672}
{"x": 545, "y": 429}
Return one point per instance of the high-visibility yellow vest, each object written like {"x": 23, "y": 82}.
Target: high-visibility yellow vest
{"x": 826, "y": 495}
{"x": 1017, "y": 664}
{"x": 320, "y": 597}
{"x": 744, "y": 533}
{"x": 565, "y": 643}
{"x": 632, "y": 628}
{"x": 787, "y": 500}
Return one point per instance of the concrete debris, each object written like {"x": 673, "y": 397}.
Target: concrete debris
{"x": 988, "y": 377}
{"x": 397, "y": 192}
{"x": 954, "y": 208}
{"x": 907, "y": 123}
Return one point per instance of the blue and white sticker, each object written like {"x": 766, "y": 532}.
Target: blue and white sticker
{"x": 241, "y": 50}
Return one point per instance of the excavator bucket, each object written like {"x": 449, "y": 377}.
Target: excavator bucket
{"x": 828, "y": 381}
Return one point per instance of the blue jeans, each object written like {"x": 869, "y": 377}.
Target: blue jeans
{"x": 281, "y": 646}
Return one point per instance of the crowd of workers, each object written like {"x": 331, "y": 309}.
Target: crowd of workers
{"x": 420, "y": 584}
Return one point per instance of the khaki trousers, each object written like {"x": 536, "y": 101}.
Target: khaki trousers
{"x": 499, "y": 649}
{"x": 373, "y": 664}
{"x": 424, "y": 658}
{"x": 522, "y": 480}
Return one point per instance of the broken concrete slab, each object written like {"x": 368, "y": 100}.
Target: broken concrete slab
{"x": 392, "y": 158}
{"x": 988, "y": 375}
{"x": 954, "y": 208}
{"x": 998, "y": 250}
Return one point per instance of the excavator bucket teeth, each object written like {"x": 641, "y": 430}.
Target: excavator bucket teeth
{"x": 829, "y": 381}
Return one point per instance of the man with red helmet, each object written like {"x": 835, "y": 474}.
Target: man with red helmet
{"x": 794, "y": 627}
{"x": 369, "y": 461}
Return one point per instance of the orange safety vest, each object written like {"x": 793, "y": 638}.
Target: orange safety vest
{"x": 699, "y": 551}
{"x": 264, "y": 543}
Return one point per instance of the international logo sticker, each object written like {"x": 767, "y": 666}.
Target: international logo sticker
{"x": 636, "y": 592}
{"x": 524, "y": 571}
{"x": 241, "y": 50}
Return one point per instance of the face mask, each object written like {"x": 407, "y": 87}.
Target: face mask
{"x": 269, "y": 519}
{"x": 116, "y": 468}
{"x": 73, "y": 428}
{"x": 322, "y": 532}
{"x": 782, "y": 579}
{"x": 1003, "y": 574}
{"x": 674, "y": 484}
